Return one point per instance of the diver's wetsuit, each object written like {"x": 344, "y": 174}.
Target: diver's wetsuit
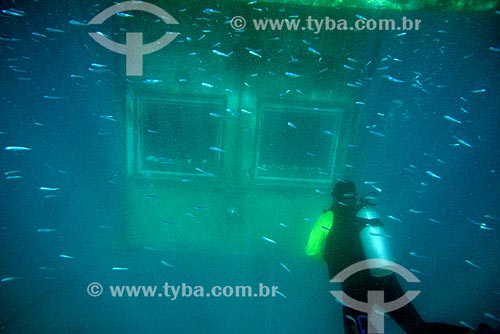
{"x": 342, "y": 249}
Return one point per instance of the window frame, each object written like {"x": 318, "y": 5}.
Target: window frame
{"x": 338, "y": 112}
{"x": 136, "y": 141}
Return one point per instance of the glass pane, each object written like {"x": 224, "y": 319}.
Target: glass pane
{"x": 297, "y": 143}
{"x": 176, "y": 137}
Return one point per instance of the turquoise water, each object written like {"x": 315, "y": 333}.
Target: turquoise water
{"x": 438, "y": 175}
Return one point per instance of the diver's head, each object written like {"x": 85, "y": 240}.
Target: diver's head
{"x": 344, "y": 193}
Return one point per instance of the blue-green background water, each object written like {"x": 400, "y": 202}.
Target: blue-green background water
{"x": 83, "y": 154}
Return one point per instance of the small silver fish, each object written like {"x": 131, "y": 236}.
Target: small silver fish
{"x": 292, "y": 75}
{"x": 218, "y": 53}
{"x": 485, "y": 227}
{"x": 47, "y": 189}
{"x": 392, "y": 79}
{"x": 415, "y": 271}
{"x": 361, "y": 17}
{"x": 316, "y": 52}
{"x": 290, "y": 124}
{"x": 119, "y": 269}
{"x": 16, "y": 148}
{"x": 151, "y": 81}
{"x": 8, "y": 279}
{"x": 38, "y": 35}
{"x": 451, "y": 119}
{"x": 431, "y": 174}
{"x": 414, "y": 254}
{"x": 166, "y": 264}
{"x": 13, "y": 12}
{"x": 211, "y": 11}
{"x": 53, "y": 97}
{"x": 45, "y": 230}
{"x": 216, "y": 149}
{"x": 12, "y": 172}
{"x": 66, "y": 256}
{"x": 463, "y": 323}
{"x": 281, "y": 294}
{"x": 98, "y": 70}
{"x": 285, "y": 267}
{"x": 77, "y": 23}
{"x": 472, "y": 221}
{"x": 204, "y": 172}
{"x": 463, "y": 142}
{"x": 478, "y": 91}
{"x": 394, "y": 218}
{"x": 108, "y": 117}
{"x": 491, "y": 316}
{"x": 96, "y": 65}
{"x": 121, "y": 14}
{"x": 268, "y": 240}
{"x": 253, "y": 53}
{"x": 45, "y": 268}
{"x": 469, "y": 262}
{"x": 378, "y": 134}
{"x": 54, "y": 30}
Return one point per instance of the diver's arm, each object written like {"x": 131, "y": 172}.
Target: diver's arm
{"x": 319, "y": 232}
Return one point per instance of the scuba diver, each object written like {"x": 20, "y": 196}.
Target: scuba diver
{"x": 340, "y": 236}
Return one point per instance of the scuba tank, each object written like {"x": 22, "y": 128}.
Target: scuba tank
{"x": 373, "y": 238}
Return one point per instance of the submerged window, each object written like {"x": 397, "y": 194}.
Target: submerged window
{"x": 176, "y": 137}
{"x": 297, "y": 144}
